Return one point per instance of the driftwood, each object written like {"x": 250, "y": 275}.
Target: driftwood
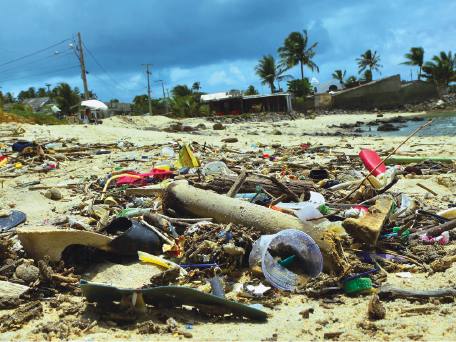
{"x": 187, "y": 200}
{"x": 390, "y": 290}
{"x": 435, "y": 231}
{"x": 222, "y": 184}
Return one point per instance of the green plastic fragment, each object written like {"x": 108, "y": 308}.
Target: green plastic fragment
{"x": 324, "y": 210}
{"x": 287, "y": 262}
{"x": 358, "y": 285}
{"x": 132, "y": 211}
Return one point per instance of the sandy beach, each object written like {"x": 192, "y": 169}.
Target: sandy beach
{"x": 350, "y": 318}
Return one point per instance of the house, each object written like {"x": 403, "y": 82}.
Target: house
{"x": 383, "y": 92}
{"x": 236, "y": 102}
{"x": 326, "y": 87}
{"x": 37, "y": 103}
{"x": 116, "y": 108}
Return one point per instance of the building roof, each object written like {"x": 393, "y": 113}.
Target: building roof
{"x": 215, "y": 97}
{"x": 364, "y": 85}
{"x": 36, "y": 102}
{"x": 264, "y": 95}
{"x": 226, "y": 96}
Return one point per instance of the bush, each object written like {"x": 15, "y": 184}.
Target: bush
{"x": 17, "y": 115}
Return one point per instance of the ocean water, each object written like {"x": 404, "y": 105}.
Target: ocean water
{"x": 444, "y": 125}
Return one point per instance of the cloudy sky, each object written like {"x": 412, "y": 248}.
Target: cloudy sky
{"x": 215, "y": 42}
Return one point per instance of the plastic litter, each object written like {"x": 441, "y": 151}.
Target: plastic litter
{"x": 308, "y": 258}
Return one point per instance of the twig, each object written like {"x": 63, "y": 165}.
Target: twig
{"x": 373, "y": 170}
{"x": 427, "y": 189}
{"x": 280, "y": 184}
{"x": 157, "y": 232}
{"x": 237, "y": 185}
{"x": 324, "y": 216}
{"x": 91, "y": 325}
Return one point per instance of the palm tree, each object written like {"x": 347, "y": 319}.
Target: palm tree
{"x": 196, "y": 86}
{"x": 41, "y": 92}
{"x": 251, "y": 91}
{"x": 339, "y": 76}
{"x": 350, "y": 80}
{"x": 366, "y": 76}
{"x": 32, "y": 92}
{"x": 415, "y": 57}
{"x": 266, "y": 69}
{"x": 66, "y": 98}
{"x": 279, "y": 77}
{"x": 441, "y": 70}
{"x": 9, "y": 98}
{"x": 295, "y": 51}
{"x": 369, "y": 60}
{"x": 181, "y": 90}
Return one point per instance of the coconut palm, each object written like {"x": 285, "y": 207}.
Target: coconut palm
{"x": 266, "y": 70}
{"x": 9, "y": 98}
{"x": 415, "y": 57}
{"x": 351, "y": 79}
{"x": 366, "y": 76}
{"x": 181, "y": 90}
{"x": 339, "y": 76}
{"x": 369, "y": 60}
{"x": 66, "y": 98}
{"x": 251, "y": 91}
{"x": 295, "y": 52}
{"x": 196, "y": 86}
{"x": 441, "y": 70}
{"x": 279, "y": 77}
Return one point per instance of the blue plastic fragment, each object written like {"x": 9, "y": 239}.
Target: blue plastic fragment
{"x": 188, "y": 326}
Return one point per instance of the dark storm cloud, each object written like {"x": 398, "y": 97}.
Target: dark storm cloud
{"x": 216, "y": 42}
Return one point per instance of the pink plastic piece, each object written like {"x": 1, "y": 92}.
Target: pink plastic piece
{"x": 371, "y": 159}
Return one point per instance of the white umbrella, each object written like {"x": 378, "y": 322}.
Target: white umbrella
{"x": 55, "y": 109}
{"x": 94, "y": 104}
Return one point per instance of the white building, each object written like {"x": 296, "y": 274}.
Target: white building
{"x": 328, "y": 86}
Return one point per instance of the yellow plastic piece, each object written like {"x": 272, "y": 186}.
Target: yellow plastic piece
{"x": 375, "y": 182}
{"x": 18, "y": 165}
{"x": 143, "y": 256}
{"x": 3, "y": 162}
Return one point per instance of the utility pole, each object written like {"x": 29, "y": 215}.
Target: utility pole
{"x": 148, "y": 86}
{"x": 164, "y": 97}
{"x": 84, "y": 79}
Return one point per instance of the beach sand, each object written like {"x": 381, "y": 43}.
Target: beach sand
{"x": 284, "y": 319}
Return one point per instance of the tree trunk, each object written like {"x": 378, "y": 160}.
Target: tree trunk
{"x": 419, "y": 74}
{"x": 222, "y": 184}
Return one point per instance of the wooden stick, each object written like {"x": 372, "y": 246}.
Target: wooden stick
{"x": 280, "y": 184}
{"x": 237, "y": 185}
{"x": 324, "y": 216}
{"x": 373, "y": 170}
{"x": 427, "y": 189}
{"x": 156, "y": 231}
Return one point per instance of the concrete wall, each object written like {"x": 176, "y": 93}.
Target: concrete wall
{"x": 323, "y": 101}
{"x": 382, "y": 92}
{"x": 302, "y": 107}
{"x": 418, "y": 91}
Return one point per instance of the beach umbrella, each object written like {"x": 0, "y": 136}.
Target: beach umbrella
{"x": 94, "y": 104}
{"x": 55, "y": 109}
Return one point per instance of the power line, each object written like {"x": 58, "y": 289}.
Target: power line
{"x": 8, "y": 71}
{"x": 50, "y": 47}
{"x": 104, "y": 69}
{"x": 19, "y": 78}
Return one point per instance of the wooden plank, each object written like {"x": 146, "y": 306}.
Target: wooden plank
{"x": 146, "y": 191}
{"x": 8, "y": 289}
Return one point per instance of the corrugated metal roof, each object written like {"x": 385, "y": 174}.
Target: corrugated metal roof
{"x": 265, "y": 95}
{"x": 215, "y": 97}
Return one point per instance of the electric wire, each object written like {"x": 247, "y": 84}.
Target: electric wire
{"x": 19, "y": 78}
{"x": 105, "y": 70}
{"x": 32, "y": 54}
{"x": 13, "y": 70}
